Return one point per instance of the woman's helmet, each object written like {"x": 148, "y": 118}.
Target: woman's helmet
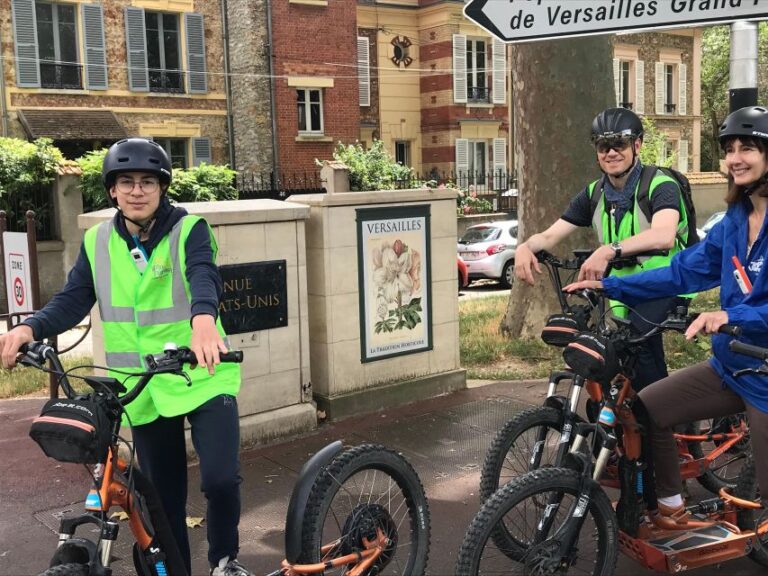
{"x": 751, "y": 122}
{"x": 136, "y": 155}
{"x": 614, "y": 122}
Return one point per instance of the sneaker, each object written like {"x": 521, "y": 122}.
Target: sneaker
{"x": 229, "y": 567}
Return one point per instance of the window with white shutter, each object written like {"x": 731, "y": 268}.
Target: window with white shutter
{"x": 462, "y": 161}
{"x": 95, "y": 47}
{"x": 639, "y": 87}
{"x": 459, "y": 68}
{"x": 659, "y": 88}
{"x": 195, "y": 33}
{"x": 617, "y": 80}
{"x": 499, "y": 164}
{"x": 682, "y": 156}
{"x": 499, "y": 92}
{"x": 682, "y": 96}
{"x": 364, "y": 70}
{"x": 136, "y": 43}
{"x": 25, "y": 44}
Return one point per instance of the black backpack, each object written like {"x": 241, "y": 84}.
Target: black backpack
{"x": 643, "y": 190}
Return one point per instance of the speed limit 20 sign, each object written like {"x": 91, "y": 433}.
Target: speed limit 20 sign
{"x": 17, "y": 273}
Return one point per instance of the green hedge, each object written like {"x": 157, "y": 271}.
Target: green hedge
{"x": 203, "y": 183}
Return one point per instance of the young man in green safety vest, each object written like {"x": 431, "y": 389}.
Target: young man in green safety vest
{"x": 622, "y": 228}
{"x": 151, "y": 269}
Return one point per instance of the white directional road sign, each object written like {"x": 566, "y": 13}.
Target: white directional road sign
{"x": 528, "y": 20}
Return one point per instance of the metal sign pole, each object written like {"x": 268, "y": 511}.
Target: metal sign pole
{"x": 742, "y": 86}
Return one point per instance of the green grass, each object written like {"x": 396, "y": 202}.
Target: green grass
{"x": 22, "y": 381}
{"x": 487, "y": 354}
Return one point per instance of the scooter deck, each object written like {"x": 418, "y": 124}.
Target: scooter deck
{"x": 678, "y": 550}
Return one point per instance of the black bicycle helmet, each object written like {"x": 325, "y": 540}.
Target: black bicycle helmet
{"x": 617, "y": 122}
{"x": 136, "y": 155}
{"x": 751, "y": 121}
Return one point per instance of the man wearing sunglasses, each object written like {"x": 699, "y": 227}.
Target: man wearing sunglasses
{"x": 610, "y": 206}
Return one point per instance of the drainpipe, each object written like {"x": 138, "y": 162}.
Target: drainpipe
{"x": 742, "y": 86}
{"x": 3, "y": 109}
{"x": 272, "y": 107}
{"x": 228, "y": 85}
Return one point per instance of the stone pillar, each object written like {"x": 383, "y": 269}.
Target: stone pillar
{"x": 275, "y": 396}
{"x": 335, "y": 176}
{"x": 344, "y": 381}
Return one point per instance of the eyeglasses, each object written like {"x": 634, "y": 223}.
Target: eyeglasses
{"x": 618, "y": 143}
{"x": 147, "y": 185}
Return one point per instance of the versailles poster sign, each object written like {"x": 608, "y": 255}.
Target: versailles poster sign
{"x": 393, "y": 255}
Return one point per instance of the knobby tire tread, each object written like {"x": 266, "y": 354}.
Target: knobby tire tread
{"x": 544, "y": 479}
{"x": 67, "y": 570}
{"x": 345, "y": 465}
{"x": 505, "y": 438}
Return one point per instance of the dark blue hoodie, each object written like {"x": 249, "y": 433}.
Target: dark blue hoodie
{"x": 69, "y": 306}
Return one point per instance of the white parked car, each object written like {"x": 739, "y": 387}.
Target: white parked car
{"x": 711, "y": 221}
{"x": 489, "y": 251}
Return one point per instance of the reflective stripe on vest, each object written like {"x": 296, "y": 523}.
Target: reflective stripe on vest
{"x": 181, "y": 308}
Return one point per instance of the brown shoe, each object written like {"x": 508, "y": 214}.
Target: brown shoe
{"x": 675, "y": 518}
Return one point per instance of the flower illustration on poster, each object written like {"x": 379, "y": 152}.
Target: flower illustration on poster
{"x": 394, "y": 281}
{"x": 397, "y": 281}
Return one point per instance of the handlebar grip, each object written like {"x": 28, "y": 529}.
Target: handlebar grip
{"x": 235, "y": 356}
{"x": 730, "y": 330}
{"x": 232, "y": 356}
{"x": 748, "y": 350}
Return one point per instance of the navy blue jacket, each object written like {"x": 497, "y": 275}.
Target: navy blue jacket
{"x": 69, "y": 306}
{"x": 707, "y": 265}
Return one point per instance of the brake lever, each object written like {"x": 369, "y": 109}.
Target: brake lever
{"x": 762, "y": 371}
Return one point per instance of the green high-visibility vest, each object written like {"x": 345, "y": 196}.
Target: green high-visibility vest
{"x": 141, "y": 312}
{"x": 633, "y": 222}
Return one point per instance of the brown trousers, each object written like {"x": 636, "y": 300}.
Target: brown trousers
{"x": 692, "y": 394}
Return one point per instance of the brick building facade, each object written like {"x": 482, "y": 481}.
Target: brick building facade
{"x": 86, "y": 73}
{"x": 316, "y": 88}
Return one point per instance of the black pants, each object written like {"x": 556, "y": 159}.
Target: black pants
{"x": 651, "y": 365}
{"x": 161, "y": 451}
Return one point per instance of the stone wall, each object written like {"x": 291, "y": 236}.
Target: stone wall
{"x": 251, "y": 97}
{"x": 133, "y": 108}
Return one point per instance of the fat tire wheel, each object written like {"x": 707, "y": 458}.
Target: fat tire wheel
{"x": 375, "y": 467}
{"x": 505, "y": 444}
{"x": 67, "y": 570}
{"x": 506, "y": 274}
{"x": 711, "y": 480}
{"x": 747, "y": 519}
{"x": 532, "y": 485}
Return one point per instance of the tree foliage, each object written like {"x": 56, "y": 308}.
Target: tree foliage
{"x": 371, "y": 169}
{"x": 203, "y": 183}
{"x": 25, "y": 165}
{"x": 652, "y": 151}
{"x": 715, "y": 75}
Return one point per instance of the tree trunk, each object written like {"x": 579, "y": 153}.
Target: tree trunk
{"x": 559, "y": 87}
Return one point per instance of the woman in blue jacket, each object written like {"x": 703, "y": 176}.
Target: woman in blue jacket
{"x": 732, "y": 256}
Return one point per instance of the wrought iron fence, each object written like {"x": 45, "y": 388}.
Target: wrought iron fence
{"x": 168, "y": 81}
{"x": 278, "y": 186}
{"x": 497, "y": 186}
{"x": 39, "y": 199}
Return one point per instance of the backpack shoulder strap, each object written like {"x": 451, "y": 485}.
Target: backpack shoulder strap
{"x": 596, "y": 195}
{"x": 644, "y": 189}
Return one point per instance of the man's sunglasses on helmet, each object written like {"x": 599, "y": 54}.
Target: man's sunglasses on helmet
{"x": 618, "y": 143}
